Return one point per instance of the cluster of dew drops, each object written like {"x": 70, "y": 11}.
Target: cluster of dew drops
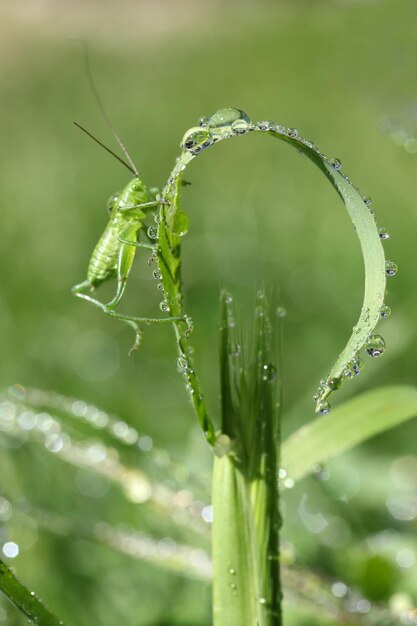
{"x": 228, "y": 122}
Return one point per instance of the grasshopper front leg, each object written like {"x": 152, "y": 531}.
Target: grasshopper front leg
{"x": 131, "y": 320}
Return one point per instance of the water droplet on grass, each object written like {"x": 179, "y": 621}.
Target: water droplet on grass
{"x": 152, "y": 232}
{"x": 324, "y": 407}
{"x": 383, "y": 233}
{"x": 367, "y": 200}
{"x": 268, "y": 372}
{"x": 264, "y": 125}
{"x": 375, "y": 346}
{"x": 240, "y": 127}
{"x": 334, "y": 383}
{"x": 336, "y": 164}
{"x": 292, "y": 132}
{"x": 164, "y": 306}
{"x": 226, "y": 117}
{"x": 196, "y": 139}
{"x": 390, "y": 268}
{"x": 385, "y": 311}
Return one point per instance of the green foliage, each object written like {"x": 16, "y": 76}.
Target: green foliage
{"x": 246, "y": 576}
{"x": 351, "y": 423}
{"x": 26, "y": 601}
{"x": 333, "y": 67}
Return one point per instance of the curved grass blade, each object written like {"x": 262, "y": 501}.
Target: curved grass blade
{"x": 228, "y": 123}
{"x": 352, "y": 423}
{"x": 27, "y": 602}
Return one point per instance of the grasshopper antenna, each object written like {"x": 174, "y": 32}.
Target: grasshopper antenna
{"x": 103, "y": 111}
{"x": 116, "y": 156}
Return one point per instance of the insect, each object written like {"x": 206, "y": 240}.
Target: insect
{"x": 115, "y": 251}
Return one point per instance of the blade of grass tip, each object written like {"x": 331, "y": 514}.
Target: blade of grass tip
{"x": 26, "y": 601}
{"x": 227, "y": 123}
{"x": 353, "y": 422}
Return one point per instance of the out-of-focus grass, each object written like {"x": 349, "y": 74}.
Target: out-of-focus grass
{"x": 331, "y": 68}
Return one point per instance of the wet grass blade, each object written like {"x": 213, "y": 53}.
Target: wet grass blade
{"x": 351, "y": 423}
{"x": 246, "y": 578}
{"x": 172, "y": 226}
{"x": 28, "y": 603}
{"x": 228, "y": 123}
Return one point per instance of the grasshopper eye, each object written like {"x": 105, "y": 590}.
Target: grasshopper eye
{"x": 111, "y": 201}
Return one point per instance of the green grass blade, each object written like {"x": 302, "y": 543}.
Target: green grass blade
{"x": 351, "y": 423}
{"x": 228, "y": 123}
{"x": 170, "y": 230}
{"x": 234, "y": 576}
{"x": 245, "y": 491}
{"x": 363, "y": 220}
{"x": 27, "y": 602}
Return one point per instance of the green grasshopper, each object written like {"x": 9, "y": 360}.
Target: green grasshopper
{"x": 115, "y": 251}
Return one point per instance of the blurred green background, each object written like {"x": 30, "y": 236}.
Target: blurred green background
{"x": 330, "y": 68}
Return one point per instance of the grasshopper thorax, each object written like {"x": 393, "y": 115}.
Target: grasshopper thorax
{"x": 127, "y": 203}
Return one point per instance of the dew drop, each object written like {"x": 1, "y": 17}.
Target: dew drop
{"x": 203, "y": 121}
{"x": 383, "y": 233}
{"x": 240, "y": 127}
{"x": 232, "y": 571}
{"x": 357, "y": 366}
{"x": 367, "y": 200}
{"x": 375, "y": 346}
{"x": 190, "y": 327}
{"x": 268, "y": 372}
{"x": 196, "y": 139}
{"x": 292, "y": 132}
{"x": 390, "y": 268}
{"x": 152, "y": 232}
{"x": 181, "y": 363}
{"x": 226, "y": 117}
{"x": 281, "y": 312}
{"x": 385, "y": 311}
{"x": 336, "y": 164}
{"x": 157, "y": 274}
{"x": 181, "y": 224}
{"x": 334, "y": 383}
{"x": 264, "y": 125}
{"x": 324, "y": 407}
{"x": 235, "y": 350}
{"x": 164, "y": 306}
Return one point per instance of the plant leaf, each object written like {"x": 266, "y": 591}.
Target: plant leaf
{"x": 228, "y": 123}
{"x": 351, "y": 423}
{"x": 26, "y": 601}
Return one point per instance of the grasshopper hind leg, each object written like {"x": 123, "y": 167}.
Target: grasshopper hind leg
{"x": 77, "y": 290}
{"x": 132, "y": 321}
